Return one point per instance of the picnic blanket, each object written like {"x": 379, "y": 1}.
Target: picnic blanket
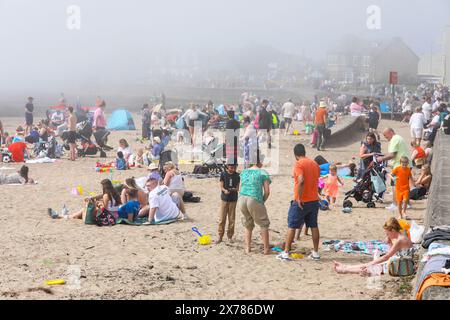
{"x": 41, "y": 160}
{"x": 365, "y": 247}
{"x": 144, "y": 222}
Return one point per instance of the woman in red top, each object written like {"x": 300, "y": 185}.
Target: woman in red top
{"x": 418, "y": 155}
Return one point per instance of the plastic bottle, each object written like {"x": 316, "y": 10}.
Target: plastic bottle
{"x": 65, "y": 212}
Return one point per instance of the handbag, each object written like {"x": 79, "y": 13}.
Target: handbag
{"x": 104, "y": 218}
{"x": 378, "y": 184}
{"x": 401, "y": 266}
{"x": 90, "y": 213}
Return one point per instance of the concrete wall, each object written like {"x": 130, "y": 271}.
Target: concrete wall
{"x": 438, "y": 205}
{"x": 347, "y": 129}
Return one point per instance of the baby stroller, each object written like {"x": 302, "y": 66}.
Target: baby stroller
{"x": 370, "y": 187}
{"x": 215, "y": 164}
{"x": 88, "y": 147}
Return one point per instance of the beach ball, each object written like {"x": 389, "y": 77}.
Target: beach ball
{"x": 204, "y": 240}
{"x": 296, "y": 133}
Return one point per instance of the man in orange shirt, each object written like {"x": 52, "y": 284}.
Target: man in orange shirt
{"x": 304, "y": 208}
{"x": 403, "y": 180}
{"x": 320, "y": 122}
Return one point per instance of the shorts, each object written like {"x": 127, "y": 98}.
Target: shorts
{"x": 416, "y": 133}
{"x": 402, "y": 196}
{"x": 71, "y": 137}
{"x": 373, "y": 125}
{"x": 288, "y": 120}
{"x": 28, "y": 119}
{"x": 308, "y": 215}
{"x": 253, "y": 212}
{"x": 191, "y": 123}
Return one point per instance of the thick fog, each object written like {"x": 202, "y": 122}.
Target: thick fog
{"x": 120, "y": 42}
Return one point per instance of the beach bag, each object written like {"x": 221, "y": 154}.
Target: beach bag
{"x": 309, "y": 129}
{"x": 378, "y": 184}
{"x": 327, "y": 133}
{"x": 426, "y": 135}
{"x": 401, "y": 266}
{"x": 201, "y": 169}
{"x": 416, "y": 232}
{"x": 90, "y": 213}
{"x": 104, "y": 218}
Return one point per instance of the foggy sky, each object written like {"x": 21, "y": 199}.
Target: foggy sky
{"x": 119, "y": 40}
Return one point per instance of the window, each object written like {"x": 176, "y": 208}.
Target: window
{"x": 366, "y": 61}
{"x": 332, "y": 59}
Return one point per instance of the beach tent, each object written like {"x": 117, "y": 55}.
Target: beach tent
{"x": 121, "y": 120}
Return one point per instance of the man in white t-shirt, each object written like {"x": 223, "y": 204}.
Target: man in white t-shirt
{"x": 427, "y": 109}
{"x": 163, "y": 206}
{"x": 288, "y": 110}
{"x": 437, "y": 104}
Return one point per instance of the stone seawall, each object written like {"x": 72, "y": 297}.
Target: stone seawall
{"x": 438, "y": 206}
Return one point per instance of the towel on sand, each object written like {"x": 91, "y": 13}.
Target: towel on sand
{"x": 144, "y": 221}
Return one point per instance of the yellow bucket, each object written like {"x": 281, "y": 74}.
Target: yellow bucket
{"x": 204, "y": 240}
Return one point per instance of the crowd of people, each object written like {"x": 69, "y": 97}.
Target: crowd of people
{"x": 161, "y": 196}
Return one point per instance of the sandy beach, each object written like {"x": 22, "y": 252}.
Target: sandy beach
{"x": 166, "y": 262}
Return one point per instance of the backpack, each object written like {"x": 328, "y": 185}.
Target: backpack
{"x": 201, "y": 169}
{"x": 401, "y": 266}
{"x": 121, "y": 164}
{"x": 104, "y": 218}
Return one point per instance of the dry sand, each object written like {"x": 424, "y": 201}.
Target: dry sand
{"x": 166, "y": 262}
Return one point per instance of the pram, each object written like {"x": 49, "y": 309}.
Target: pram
{"x": 216, "y": 161}
{"x": 370, "y": 187}
{"x": 88, "y": 147}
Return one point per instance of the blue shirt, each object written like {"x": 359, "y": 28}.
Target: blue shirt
{"x": 131, "y": 207}
{"x": 157, "y": 149}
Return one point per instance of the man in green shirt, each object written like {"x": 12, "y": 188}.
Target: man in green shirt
{"x": 397, "y": 148}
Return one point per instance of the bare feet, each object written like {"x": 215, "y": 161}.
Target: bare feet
{"x": 219, "y": 240}
{"x": 247, "y": 250}
{"x": 230, "y": 240}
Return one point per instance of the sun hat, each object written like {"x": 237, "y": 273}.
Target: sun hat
{"x": 152, "y": 166}
{"x": 323, "y": 104}
{"x": 157, "y": 139}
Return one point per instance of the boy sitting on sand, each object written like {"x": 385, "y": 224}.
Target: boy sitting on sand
{"x": 130, "y": 210}
{"x": 121, "y": 163}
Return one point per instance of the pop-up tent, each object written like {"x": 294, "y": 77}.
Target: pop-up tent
{"x": 121, "y": 120}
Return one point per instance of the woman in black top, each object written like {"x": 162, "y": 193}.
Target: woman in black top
{"x": 366, "y": 152}
{"x": 374, "y": 120}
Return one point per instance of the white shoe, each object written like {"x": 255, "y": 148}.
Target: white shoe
{"x": 284, "y": 256}
{"x": 392, "y": 207}
{"x": 314, "y": 255}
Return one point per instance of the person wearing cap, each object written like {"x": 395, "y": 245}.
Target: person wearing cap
{"x": 29, "y": 108}
{"x": 161, "y": 205}
{"x": 320, "y": 121}
{"x": 154, "y": 171}
{"x": 157, "y": 148}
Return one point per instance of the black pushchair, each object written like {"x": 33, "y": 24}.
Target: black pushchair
{"x": 87, "y": 146}
{"x": 216, "y": 163}
{"x": 370, "y": 187}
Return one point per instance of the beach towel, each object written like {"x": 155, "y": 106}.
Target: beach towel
{"x": 365, "y": 247}
{"x": 41, "y": 160}
{"x": 144, "y": 222}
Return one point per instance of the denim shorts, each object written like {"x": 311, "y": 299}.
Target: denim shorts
{"x": 297, "y": 217}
